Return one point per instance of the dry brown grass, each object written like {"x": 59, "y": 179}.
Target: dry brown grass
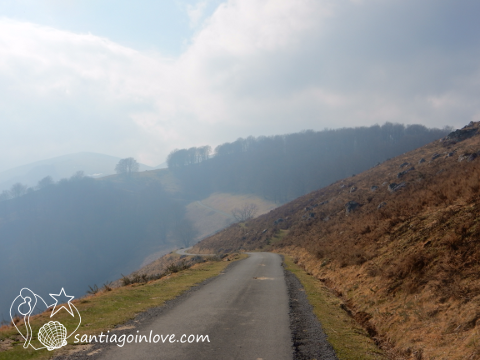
{"x": 410, "y": 271}
{"x": 214, "y": 212}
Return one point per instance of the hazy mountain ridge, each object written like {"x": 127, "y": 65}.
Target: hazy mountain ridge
{"x": 405, "y": 259}
{"x": 92, "y": 164}
{"x": 283, "y": 167}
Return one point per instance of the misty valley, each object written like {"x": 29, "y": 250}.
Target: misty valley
{"x": 81, "y": 231}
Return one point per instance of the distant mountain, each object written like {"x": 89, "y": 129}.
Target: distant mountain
{"x": 92, "y": 164}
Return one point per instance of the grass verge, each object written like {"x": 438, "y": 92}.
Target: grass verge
{"x": 349, "y": 340}
{"x": 105, "y": 310}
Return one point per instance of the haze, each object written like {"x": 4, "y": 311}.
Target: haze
{"x": 143, "y": 78}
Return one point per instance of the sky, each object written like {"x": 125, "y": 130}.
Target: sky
{"x": 142, "y": 78}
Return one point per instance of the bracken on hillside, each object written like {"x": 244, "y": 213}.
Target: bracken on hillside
{"x": 400, "y": 243}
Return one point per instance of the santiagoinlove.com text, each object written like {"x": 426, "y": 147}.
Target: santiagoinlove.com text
{"x": 138, "y": 338}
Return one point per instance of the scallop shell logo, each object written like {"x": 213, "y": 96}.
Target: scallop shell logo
{"x": 53, "y": 334}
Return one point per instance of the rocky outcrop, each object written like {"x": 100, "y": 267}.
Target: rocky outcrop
{"x": 395, "y": 187}
{"x": 381, "y": 205}
{"x": 400, "y": 174}
{"x": 460, "y": 135}
{"x": 351, "y": 206}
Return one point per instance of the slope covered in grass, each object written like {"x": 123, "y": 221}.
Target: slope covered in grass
{"x": 215, "y": 212}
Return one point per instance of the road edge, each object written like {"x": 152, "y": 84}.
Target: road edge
{"x": 308, "y": 338}
{"x": 141, "y": 319}
{"x": 348, "y": 338}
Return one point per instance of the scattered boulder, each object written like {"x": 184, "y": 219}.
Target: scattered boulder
{"x": 472, "y": 157}
{"x": 468, "y": 157}
{"x": 381, "y": 205}
{"x": 312, "y": 215}
{"x": 422, "y": 160}
{"x": 374, "y": 188}
{"x": 324, "y": 202}
{"x": 353, "y": 189}
{"x": 400, "y": 174}
{"x": 391, "y": 187}
{"x": 264, "y": 231}
{"x": 404, "y": 164}
{"x": 342, "y": 186}
{"x": 394, "y": 186}
{"x": 278, "y": 221}
{"x": 308, "y": 208}
{"x": 326, "y": 218}
{"x": 351, "y": 206}
{"x": 435, "y": 156}
{"x": 450, "y": 154}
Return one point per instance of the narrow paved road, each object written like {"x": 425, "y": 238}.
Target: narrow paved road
{"x": 244, "y": 312}
{"x": 184, "y": 252}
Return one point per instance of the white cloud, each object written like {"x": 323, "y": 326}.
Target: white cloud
{"x": 253, "y": 68}
{"x": 196, "y": 12}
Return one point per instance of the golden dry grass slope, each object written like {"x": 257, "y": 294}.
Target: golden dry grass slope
{"x": 215, "y": 212}
{"x": 399, "y": 243}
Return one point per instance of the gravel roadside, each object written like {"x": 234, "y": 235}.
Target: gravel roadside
{"x": 309, "y": 340}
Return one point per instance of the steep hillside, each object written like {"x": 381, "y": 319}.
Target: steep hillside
{"x": 398, "y": 242}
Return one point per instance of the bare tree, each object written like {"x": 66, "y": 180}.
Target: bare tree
{"x": 184, "y": 233}
{"x": 5, "y": 195}
{"x": 78, "y": 175}
{"x": 246, "y": 212}
{"x": 46, "y": 181}
{"x": 127, "y": 166}
{"x": 18, "y": 190}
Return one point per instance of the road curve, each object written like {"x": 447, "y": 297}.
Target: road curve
{"x": 244, "y": 312}
{"x": 184, "y": 252}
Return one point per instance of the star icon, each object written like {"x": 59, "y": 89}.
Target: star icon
{"x": 60, "y": 299}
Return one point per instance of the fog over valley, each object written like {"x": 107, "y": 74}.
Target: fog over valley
{"x": 107, "y": 226}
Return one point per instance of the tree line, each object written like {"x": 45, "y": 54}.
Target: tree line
{"x": 125, "y": 167}
{"x": 283, "y": 167}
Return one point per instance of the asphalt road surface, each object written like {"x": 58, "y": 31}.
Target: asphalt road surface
{"x": 244, "y": 312}
{"x": 185, "y": 252}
